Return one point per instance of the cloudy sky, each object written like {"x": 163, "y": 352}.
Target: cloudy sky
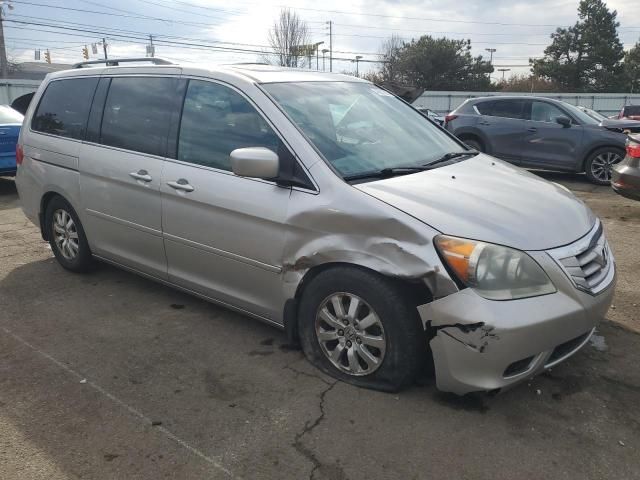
{"x": 183, "y": 29}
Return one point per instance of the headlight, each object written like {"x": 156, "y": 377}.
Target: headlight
{"x": 493, "y": 271}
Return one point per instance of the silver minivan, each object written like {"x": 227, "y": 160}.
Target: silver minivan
{"x": 323, "y": 205}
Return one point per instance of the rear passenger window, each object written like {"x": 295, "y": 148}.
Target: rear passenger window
{"x": 137, "y": 113}
{"x": 508, "y": 109}
{"x": 215, "y": 121}
{"x": 64, "y": 107}
{"x": 485, "y": 108}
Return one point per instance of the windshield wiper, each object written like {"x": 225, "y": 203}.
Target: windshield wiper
{"x": 451, "y": 155}
{"x": 387, "y": 172}
{"x": 395, "y": 171}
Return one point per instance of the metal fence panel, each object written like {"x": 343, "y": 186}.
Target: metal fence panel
{"x": 11, "y": 89}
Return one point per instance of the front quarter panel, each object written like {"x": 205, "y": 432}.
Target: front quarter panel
{"x": 345, "y": 225}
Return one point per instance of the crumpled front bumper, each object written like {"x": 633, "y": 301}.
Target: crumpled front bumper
{"x": 481, "y": 344}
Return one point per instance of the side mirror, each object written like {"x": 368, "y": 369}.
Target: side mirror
{"x": 564, "y": 121}
{"x": 255, "y": 162}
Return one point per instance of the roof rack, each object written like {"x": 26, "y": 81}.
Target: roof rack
{"x": 114, "y": 62}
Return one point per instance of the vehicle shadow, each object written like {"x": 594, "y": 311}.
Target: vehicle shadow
{"x": 573, "y": 181}
{"x": 8, "y": 193}
{"x": 7, "y": 186}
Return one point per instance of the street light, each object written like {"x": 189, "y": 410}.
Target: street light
{"x": 316, "y": 46}
{"x": 503, "y": 70}
{"x": 324, "y": 50}
{"x": 491, "y": 52}
{"x": 358, "y": 57}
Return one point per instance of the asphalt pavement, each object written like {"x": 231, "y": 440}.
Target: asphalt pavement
{"x": 109, "y": 375}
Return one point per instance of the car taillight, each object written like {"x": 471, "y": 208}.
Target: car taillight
{"x": 633, "y": 149}
{"x": 19, "y": 154}
{"x": 450, "y": 118}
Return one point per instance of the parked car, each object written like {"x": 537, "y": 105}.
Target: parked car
{"x": 625, "y": 176}
{"x": 630, "y": 112}
{"x": 623, "y": 126}
{"x": 439, "y": 119}
{"x": 538, "y": 133}
{"x": 10, "y": 123}
{"x": 320, "y": 204}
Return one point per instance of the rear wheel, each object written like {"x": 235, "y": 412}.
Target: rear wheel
{"x": 598, "y": 165}
{"x": 360, "y": 328}
{"x": 66, "y": 236}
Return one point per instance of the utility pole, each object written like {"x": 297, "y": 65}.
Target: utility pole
{"x": 330, "y": 45}
{"x": 4, "y": 65}
{"x": 503, "y": 70}
{"x": 151, "y": 49}
{"x": 104, "y": 46}
{"x": 324, "y": 50}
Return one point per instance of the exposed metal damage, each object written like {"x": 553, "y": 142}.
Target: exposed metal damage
{"x": 476, "y": 336}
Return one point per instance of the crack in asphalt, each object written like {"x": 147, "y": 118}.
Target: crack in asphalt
{"x": 306, "y": 374}
{"x": 308, "y": 427}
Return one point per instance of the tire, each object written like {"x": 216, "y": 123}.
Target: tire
{"x": 401, "y": 353}
{"x": 473, "y": 143}
{"x": 66, "y": 236}
{"x": 599, "y": 163}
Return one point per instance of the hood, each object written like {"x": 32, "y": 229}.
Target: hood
{"x": 631, "y": 125}
{"x": 486, "y": 199}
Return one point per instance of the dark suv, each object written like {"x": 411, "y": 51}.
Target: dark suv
{"x": 538, "y": 133}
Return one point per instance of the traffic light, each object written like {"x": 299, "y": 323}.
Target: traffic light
{"x": 47, "y": 57}
{"x": 85, "y": 53}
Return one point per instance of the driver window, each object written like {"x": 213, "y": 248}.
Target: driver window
{"x": 545, "y": 112}
{"x": 215, "y": 121}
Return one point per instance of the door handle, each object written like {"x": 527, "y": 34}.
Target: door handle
{"x": 484, "y": 123}
{"x": 181, "y": 184}
{"x": 532, "y": 129}
{"x": 141, "y": 175}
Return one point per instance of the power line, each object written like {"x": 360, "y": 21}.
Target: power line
{"x": 159, "y": 41}
{"x": 404, "y": 17}
{"x": 109, "y": 30}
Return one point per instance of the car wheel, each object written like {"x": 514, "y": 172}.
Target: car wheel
{"x": 598, "y": 165}
{"x": 360, "y": 328}
{"x": 473, "y": 143}
{"x": 66, "y": 236}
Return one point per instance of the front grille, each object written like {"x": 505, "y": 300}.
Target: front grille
{"x": 588, "y": 262}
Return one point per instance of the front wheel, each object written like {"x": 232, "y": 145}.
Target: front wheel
{"x": 359, "y": 327}
{"x": 599, "y": 164}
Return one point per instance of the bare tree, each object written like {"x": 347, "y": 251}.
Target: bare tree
{"x": 390, "y": 53}
{"x": 289, "y": 41}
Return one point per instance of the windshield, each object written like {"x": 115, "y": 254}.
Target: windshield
{"x": 361, "y": 128}
{"x": 592, "y": 113}
{"x": 9, "y": 115}
{"x": 583, "y": 117}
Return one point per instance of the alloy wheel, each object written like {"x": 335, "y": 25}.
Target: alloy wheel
{"x": 602, "y": 164}
{"x": 350, "y": 334}
{"x": 65, "y": 234}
